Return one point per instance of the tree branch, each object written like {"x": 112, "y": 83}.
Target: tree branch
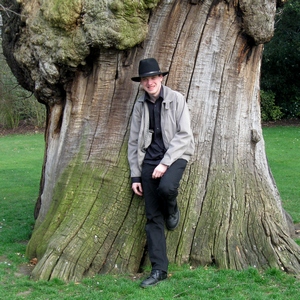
{"x": 7, "y": 10}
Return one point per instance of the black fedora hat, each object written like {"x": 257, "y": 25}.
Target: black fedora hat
{"x": 148, "y": 67}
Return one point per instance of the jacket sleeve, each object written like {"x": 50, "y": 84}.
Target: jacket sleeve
{"x": 181, "y": 145}
{"x": 133, "y": 140}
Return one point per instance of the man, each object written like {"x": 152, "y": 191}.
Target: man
{"x": 160, "y": 145}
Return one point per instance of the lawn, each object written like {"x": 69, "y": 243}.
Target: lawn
{"x": 282, "y": 148}
{"x": 20, "y": 169}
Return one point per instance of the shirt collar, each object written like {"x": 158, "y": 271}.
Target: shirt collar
{"x": 161, "y": 94}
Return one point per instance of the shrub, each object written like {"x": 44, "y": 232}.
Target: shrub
{"x": 269, "y": 111}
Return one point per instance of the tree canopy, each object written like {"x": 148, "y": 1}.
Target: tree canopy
{"x": 281, "y": 60}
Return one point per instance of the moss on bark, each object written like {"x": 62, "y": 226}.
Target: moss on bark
{"x": 64, "y": 14}
{"x": 246, "y": 225}
{"x": 57, "y": 36}
{"x": 91, "y": 226}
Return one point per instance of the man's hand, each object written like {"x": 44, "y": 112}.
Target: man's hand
{"x": 137, "y": 188}
{"x": 159, "y": 171}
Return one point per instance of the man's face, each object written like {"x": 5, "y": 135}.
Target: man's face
{"x": 152, "y": 84}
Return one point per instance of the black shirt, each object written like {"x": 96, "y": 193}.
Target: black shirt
{"x": 155, "y": 152}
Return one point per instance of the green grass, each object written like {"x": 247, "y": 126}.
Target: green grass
{"x": 283, "y": 152}
{"x": 20, "y": 169}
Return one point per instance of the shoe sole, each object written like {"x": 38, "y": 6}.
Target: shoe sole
{"x": 151, "y": 285}
{"x": 148, "y": 286}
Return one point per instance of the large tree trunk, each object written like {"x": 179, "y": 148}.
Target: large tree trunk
{"x": 88, "y": 220}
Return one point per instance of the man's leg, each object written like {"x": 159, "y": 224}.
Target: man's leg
{"x": 155, "y": 220}
{"x": 169, "y": 184}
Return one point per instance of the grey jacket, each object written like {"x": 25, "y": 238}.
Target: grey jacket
{"x": 176, "y": 131}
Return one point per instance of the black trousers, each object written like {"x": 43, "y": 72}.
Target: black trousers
{"x": 160, "y": 201}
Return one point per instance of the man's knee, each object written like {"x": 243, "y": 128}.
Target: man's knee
{"x": 166, "y": 190}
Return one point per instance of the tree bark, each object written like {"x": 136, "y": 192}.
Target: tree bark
{"x": 88, "y": 219}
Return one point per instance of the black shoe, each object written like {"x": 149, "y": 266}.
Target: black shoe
{"x": 173, "y": 220}
{"x": 155, "y": 277}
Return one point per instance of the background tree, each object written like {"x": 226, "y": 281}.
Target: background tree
{"x": 78, "y": 58}
{"x": 281, "y": 60}
{"x": 17, "y": 104}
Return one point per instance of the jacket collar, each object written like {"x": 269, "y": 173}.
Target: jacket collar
{"x": 161, "y": 94}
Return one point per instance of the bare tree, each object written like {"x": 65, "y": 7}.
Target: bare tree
{"x": 78, "y": 57}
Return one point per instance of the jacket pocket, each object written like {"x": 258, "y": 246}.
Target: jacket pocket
{"x": 148, "y": 139}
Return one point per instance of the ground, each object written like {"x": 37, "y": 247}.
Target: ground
{"x": 285, "y": 122}
{"x": 25, "y": 128}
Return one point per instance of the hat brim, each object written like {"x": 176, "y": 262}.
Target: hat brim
{"x": 138, "y": 79}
